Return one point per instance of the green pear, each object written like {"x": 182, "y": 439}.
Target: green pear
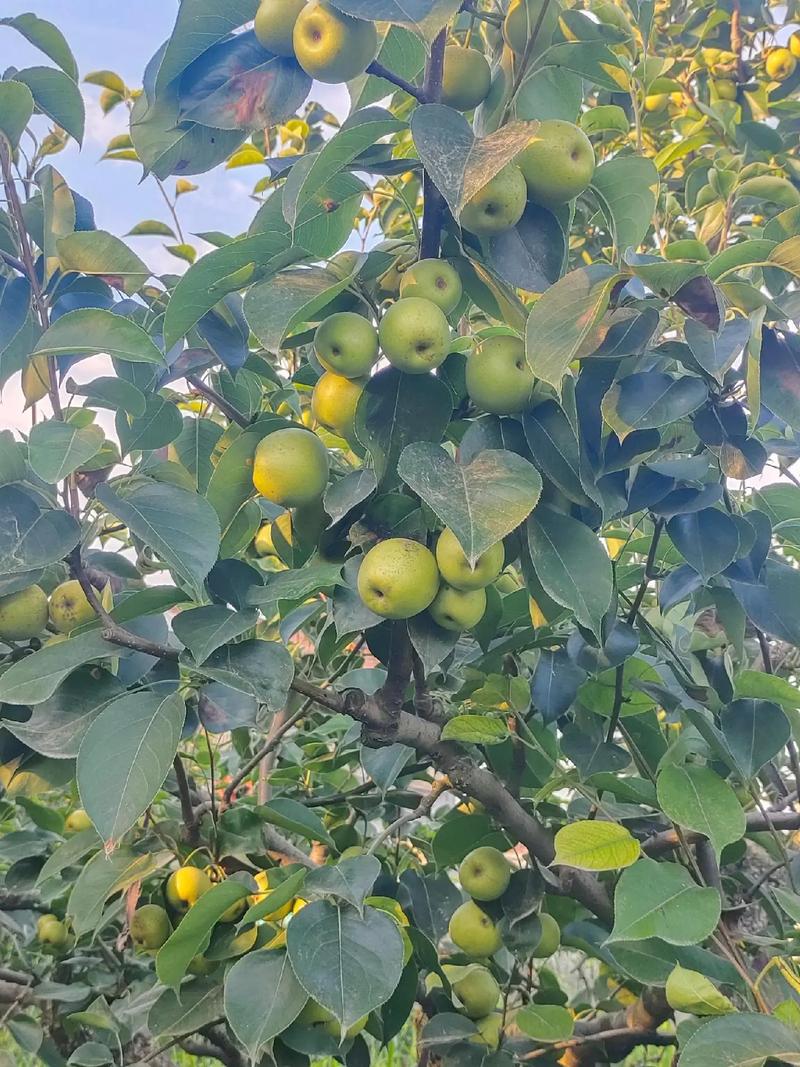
{"x": 498, "y": 377}
{"x": 473, "y": 931}
{"x": 454, "y": 566}
{"x": 498, "y": 206}
{"x": 558, "y": 163}
{"x": 398, "y": 578}
{"x": 23, "y": 614}
{"x": 484, "y": 873}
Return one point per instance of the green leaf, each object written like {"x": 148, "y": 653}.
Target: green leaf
{"x": 262, "y": 998}
{"x": 276, "y": 306}
{"x": 91, "y": 331}
{"x": 47, "y": 38}
{"x": 755, "y": 730}
{"x": 262, "y": 669}
{"x": 482, "y": 501}
{"x": 58, "y": 725}
{"x": 571, "y": 564}
{"x": 742, "y": 1040}
{"x": 780, "y": 371}
{"x": 359, "y": 131}
{"x": 655, "y": 899}
{"x": 98, "y": 252}
{"x": 604, "y": 117}
{"x": 56, "y": 448}
{"x": 156, "y": 427}
{"x": 707, "y": 539}
{"x": 69, "y": 854}
{"x": 593, "y": 845}
{"x": 192, "y": 934}
{"x": 35, "y": 678}
{"x": 698, "y": 799}
{"x": 591, "y": 59}
{"x": 475, "y": 730}
{"x": 627, "y": 188}
{"x": 459, "y": 163}
{"x": 31, "y": 537}
{"x": 199, "y": 1004}
{"x": 788, "y": 902}
{"x": 57, "y": 95}
{"x": 763, "y": 686}
{"x": 692, "y": 992}
{"x": 563, "y": 317}
{"x": 650, "y": 399}
{"x": 461, "y": 834}
{"x": 124, "y": 758}
{"x": 349, "y": 880}
{"x": 151, "y": 228}
{"x": 348, "y": 963}
{"x": 545, "y": 1022}
{"x": 295, "y": 817}
{"x": 16, "y": 108}
{"x": 287, "y": 890}
{"x": 194, "y": 447}
{"x": 179, "y": 526}
{"x": 114, "y": 393}
{"x": 424, "y": 17}
{"x": 204, "y": 629}
{"x": 397, "y": 409}
{"x": 199, "y": 25}
{"x": 102, "y": 877}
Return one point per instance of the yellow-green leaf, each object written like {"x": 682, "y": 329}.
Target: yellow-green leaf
{"x": 592, "y": 845}
{"x": 692, "y": 992}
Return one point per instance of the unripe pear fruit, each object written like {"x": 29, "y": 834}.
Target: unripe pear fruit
{"x": 414, "y": 335}
{"x": 234, "y": 912}
{"x": 23, "y": 615}
{"x": 50, "y": 930}
{"x": 656, "y": 102}
{"x": 458, "y": 609}
{"x": 557, "y": 164}
{"x": 780, "y": 64}
{"x": 398, "y": 578}
{"x": 185, "y": 887}
{"x": 35, "y": 380}
{"x": 498, "y": 377}
{"x": 313, "y": 1014}
{"x": 290, "y": 467}
{"x": 346, "y": 344}
{"x": 499, "y": 205}
{"x": 150, "y": 927}
{"x": 274, "y": 25}
{"x": 454, "y": 566}
{"x": 473, "y": 931}
{"x": 476, "y": 988}
{"x": 334, "y": 402}
{"x": 435, "y": 280}
{"x": 550, "y": 937}
{"x": 263, "y": 544}
{"x": 77, "y": 821}
{"x": 519, "y": 23}
{"x": 69, "y": 607}
{"x": 466, "y": 78}
{"x": 333, "y": 47}
{"x": 724, "y": 89}
{"x": 490, "y": 1030}
{"x": 484, "y": 873}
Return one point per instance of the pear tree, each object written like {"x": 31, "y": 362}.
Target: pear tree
{"x": 400, "y": 598}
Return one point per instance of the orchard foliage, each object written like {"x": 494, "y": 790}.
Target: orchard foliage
{"x": 400, "y": 627}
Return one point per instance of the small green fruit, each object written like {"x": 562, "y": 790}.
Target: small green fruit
{"x": 23, "y": 615}
{"x": 498, "y": 377}
{"x": 50, "y": 930}
{"x": 475, "y": 987}
{"x": 346, "y": 344}
{"x": 398, "y": 578}
{"x": 466, "y": 78}
{"x": 550, "y": 938}
{"x": 557, "y": 164}
{"x": 414, "y": 335}
{"x": 473, "y": 931}
{"x": 458, "y": 609}
{"x": 76, "y": 821}
{"x": 435, "y": 280}
{"x": 69, "y": 607}
{"x": 333, "y": 47}
{"x": 499, "y": 205}
{"x": 150, "y": 927}
{"x": 334, "y": 402}
{"x": 454, "y": 566}
{"x": 490, "y": 1030}
{"x": 185, "y": 887}
{"x": 484, "y": 873}
{"x": 290, "y": 467}
{"x": 274, "y": 25}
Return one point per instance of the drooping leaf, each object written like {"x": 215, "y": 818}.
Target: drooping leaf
{"x": 181, "y": 527}
{"x": 101, "y": 253}
{"x": 482, "y": 501}
{"x": 627, "y": 188}
{"x": 58, "y": 96}
{"x": 56, "y": 448}
{"x": 35, "y": 678}
{"x": 742, "y": 1040}
{"x": 531, "y": 254}
{"x": 125, "y": 757}
{"x": 262, "y": 669}
{"x": 695, "y": 797}
{"x": 756, "y": 731}
{"x": 32, "y": 537}
{"x": 47, "y": 38}
{"x": 16, "y": 108}
{"x": 102, "y": 877}
{"x": 594, "y": 845}
{"x": 562, "y": 318}
{"x": 708, "y": 540}
{"x": 262, "y": 998}
{"x": 348, "y": 963}
{"x": 349, "y": 880}
{"x": 655, "y": 899}
{"x": 204, "y": 629}
{"x": 649, "y": 399}
{"x": 90, "y": 331}
{"x": 571, "y": 564}
{"x": 200, "y": 1004}
{"x": 692, "y": 992}
{"x": 191, "y": 935}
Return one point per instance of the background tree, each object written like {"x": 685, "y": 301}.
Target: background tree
{"x": 400, "y": 643}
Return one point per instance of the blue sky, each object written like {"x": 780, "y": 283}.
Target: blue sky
{"x": 119, "y": 36}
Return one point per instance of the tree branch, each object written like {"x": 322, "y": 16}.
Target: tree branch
{"x": 219, "y": 401}
{"x": 667, "y": 840}
{"x": 187, "y": 811}
{"x": 380, "y": 71}
{"x": 423, "y": 808}
{"x": 433, "y": 201}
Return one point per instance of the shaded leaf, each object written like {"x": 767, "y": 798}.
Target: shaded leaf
{"x": 262, "y": 998}
{"x": 655, "y": 899}
{"x": 91, "y": 331}
{"x": 695, "y": 797}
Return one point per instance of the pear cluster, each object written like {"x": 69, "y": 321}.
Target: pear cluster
{"x": 399, "y": 578}
{"x": 26, "y": 613}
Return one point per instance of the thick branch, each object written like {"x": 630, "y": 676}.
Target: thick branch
{"x": 213, "y": 397}
{"x": 667, "y": 840}
{"x": 613, "y": 1036}
{"x": 380, "y": 71}
{"x": 433, "y": 201}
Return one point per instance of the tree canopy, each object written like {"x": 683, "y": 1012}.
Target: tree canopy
{"x": 400, "y": 602}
